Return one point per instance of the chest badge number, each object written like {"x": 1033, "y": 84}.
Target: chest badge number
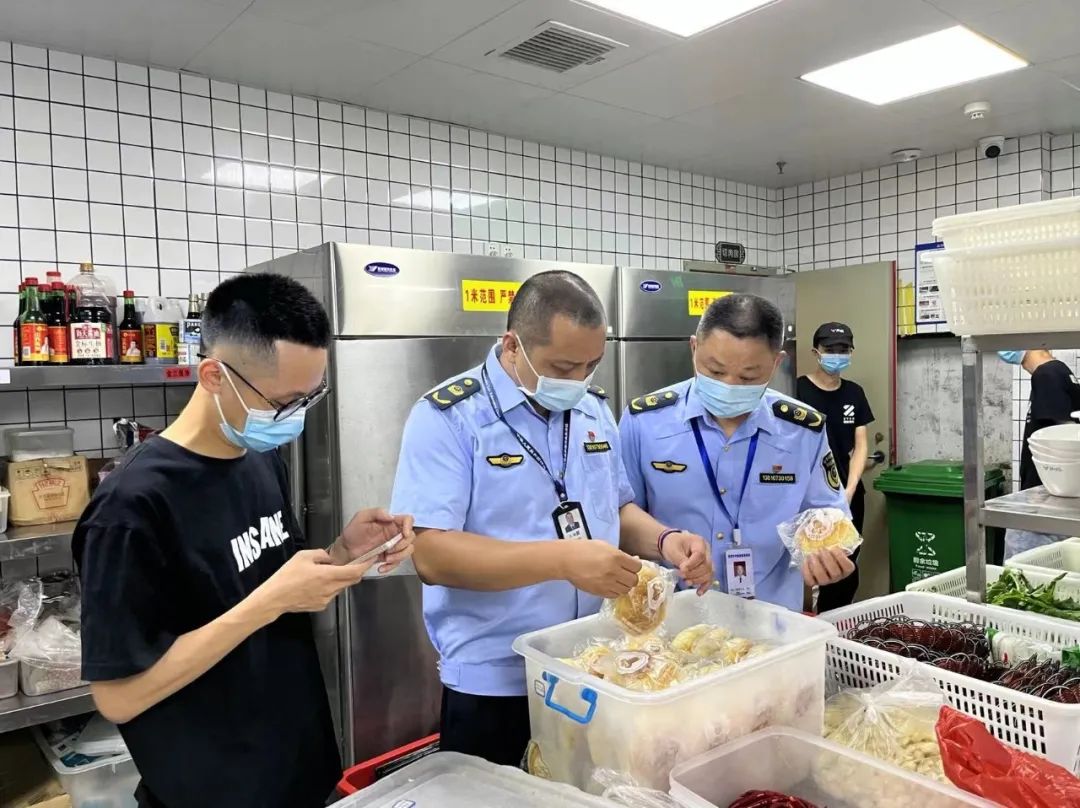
{"x": 668, "y": 466}
{"x": 777, "y": 478}
{"x": 505, "y": 461}
{"x": 597, "y": 446}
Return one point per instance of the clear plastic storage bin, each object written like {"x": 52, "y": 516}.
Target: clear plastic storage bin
{"x": 5, "y": 501}
{"x": 811, "y": 768}
{"x": 450, "y": 780}
{"x": 107, "y": 782}
{"x": 1034, "y": 724}
{"x": 1056, "y": 558}
{"x": 38, "y": 677}
{"x": 39, "y": 443}
{"x": 581, "y": 723}
{"x": 9, "y": 677}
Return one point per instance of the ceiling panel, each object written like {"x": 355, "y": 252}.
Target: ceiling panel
{"x": 160, "y": 32}
{"x": 1039, "y": 30}
{"x": 418, "y": 26}
{"x": 283, "y": 56}
{"x": 972, "y": 11}
{"x": 1028, "y": 87}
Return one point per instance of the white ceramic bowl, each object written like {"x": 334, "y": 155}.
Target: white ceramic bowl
{"x": 1054, "y": 460}
{"x": 1061, "y": 438}
{"x": 1064, "y": 454}
{"x": 1061, "y": 480}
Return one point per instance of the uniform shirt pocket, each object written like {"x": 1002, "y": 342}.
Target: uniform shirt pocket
{"x": 599, "y": 495}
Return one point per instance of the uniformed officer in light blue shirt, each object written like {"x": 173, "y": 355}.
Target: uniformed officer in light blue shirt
{"x": 497, "y": 465}
{"x": 723, "y": 456}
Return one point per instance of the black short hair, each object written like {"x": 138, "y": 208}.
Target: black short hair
{"x": 255, "y": 311}
{"x": 547, "y": 294}
{"x": 745, "y": 317}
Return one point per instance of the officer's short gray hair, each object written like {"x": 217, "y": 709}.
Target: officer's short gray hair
{"x": 547, "y": 294}
{"x": 745, "y": 317}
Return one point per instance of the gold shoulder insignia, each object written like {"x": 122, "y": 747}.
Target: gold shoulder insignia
{"x": 450, "y": 394}
{"x": 799, "y": 414}
{"x": 653, "y": 401}
{"x": 597, "y": 391}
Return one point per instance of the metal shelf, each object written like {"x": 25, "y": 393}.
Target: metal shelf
{"x": 36, "y": 540}
{"x": 1035, "y": 510}
{"x": 21, "y": 711}
{"x": 1027, "y": 341}
{"x": 95, "y": 376}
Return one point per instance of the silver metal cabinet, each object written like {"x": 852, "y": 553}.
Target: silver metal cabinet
{"x": 402, "y": 324}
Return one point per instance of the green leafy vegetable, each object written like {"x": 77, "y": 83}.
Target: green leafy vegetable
{"x": 1014, "y": 590}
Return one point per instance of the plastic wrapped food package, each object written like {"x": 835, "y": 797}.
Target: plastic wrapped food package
{"x": 643, "y": 608}
{"x": 893, "y": 722}
{"x": 816, "y": 530}
{"x": 50, "y": 658}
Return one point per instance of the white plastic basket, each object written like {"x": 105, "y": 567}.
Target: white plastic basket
{"x": 1036, "y": 725}
{"x": 1016, "y": 224}
{"x": 1016, "y": 288}
{"x": 808, "y": 767}
{"x": 1061, "y": 556}
{"x": 581, "y": 723}
{"x": 107, "y": 782}
{"x": 954, "y": 583}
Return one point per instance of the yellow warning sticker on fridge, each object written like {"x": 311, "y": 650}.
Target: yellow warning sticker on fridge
{"x": 698, "y": 300}
{"x": 488, "y": 295}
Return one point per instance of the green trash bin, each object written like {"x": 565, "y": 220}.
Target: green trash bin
{"x": 925, "y": 513}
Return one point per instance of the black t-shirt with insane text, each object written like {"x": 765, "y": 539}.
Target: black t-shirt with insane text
{"x": 170, "y": 541}
{"x": 844, "y": 408}
{"x": 1055, "y": 394}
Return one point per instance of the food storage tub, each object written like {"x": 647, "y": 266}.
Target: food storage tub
{"x": 1033, "y": 724}
{"x": 107, "y": 782}
{"x": 39, "y": 443}
{"x": 37, "y": 677}
{"x": 5, "y": 501}
{"x": 581, "y": 723}
{"x": 801, "y": 765}
{"x": 450, "y": 780}
{"x": 1061, "y": 556}
{"x": 9, "y": 677}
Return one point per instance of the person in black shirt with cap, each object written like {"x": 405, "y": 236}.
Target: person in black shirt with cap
{"x": 847, "y": 412}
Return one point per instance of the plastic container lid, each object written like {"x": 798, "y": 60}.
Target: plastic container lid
{"x": 100, "y": 738}
{"x": 450, "y": 780}
{"x": 935, "y": 478}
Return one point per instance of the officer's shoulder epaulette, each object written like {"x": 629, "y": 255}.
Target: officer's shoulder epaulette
{"x": 599, "y": 392}
{"x": 450, "y": 394}
{"x": 799, "y": 414}
{"x": 653, "y": 401}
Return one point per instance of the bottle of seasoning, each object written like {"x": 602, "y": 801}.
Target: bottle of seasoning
{"x": 33, "y": 330}
{"x": 131, "y": 335}
{"x": 71, "y": 300}
{"x": 91, "y": 328}
{"x": 191, "y": 332}
{"x": 59, "y": 354}
{"x": 161, "y": 331}
{"x": 16, "y": 342}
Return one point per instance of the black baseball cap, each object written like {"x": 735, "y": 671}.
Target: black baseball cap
{"x": 832, "y": 335}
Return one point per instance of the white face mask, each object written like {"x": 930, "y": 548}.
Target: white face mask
{"x": 554, "y": 395}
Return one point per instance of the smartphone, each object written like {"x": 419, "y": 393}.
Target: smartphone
{"x": 389, "y": 544}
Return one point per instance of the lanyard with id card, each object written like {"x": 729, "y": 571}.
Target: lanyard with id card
{"x": 568, "y": 516}
{"x": 739, "y": 560}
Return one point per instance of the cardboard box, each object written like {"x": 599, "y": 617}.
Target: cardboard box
{"x": 26, "y": 778}
{"x": 56, "y": 489}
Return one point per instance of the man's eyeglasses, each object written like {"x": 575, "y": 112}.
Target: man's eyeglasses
{"x": 281, "y": 411}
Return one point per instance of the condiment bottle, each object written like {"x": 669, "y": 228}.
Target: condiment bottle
{"x": 92, "y": 326}
{"x": 131, "y": 335}
{"x": 16, "y": 342}
{"x": 59, "y": 353}
{"x": 33, "y": 330}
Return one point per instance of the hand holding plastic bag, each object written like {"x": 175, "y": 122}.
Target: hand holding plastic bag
{"x": 644, "y": 607}
{"x": 818, "y": 530}
{"x": 978, "y": 762}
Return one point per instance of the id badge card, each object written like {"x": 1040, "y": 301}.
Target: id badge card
{"x": 570, "y": 522}
{"x": 739, "y": 566}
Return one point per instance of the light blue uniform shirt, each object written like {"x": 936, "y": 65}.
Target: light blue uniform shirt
{"x": 461, "y": 468}
{"x": 789, "y": 474}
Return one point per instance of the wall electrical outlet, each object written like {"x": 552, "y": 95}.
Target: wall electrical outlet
{"x": 494, "y": 249}
{"x": 512, "y": 251}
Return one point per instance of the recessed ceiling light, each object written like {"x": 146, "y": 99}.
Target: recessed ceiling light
{"x": 921, "y": 65}
{"x": 682, "y": 17}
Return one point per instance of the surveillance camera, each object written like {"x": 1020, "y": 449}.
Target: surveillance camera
{"x": 992, "y": 147}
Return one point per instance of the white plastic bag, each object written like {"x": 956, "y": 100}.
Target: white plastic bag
{"x": 621, "y": 789}
{"x": 1018, "y": 541}
{"x": 818, "y": 529}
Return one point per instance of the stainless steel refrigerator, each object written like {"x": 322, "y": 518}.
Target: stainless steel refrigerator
{"x": 658, "y": 311}
{"x": 403, "y": 320}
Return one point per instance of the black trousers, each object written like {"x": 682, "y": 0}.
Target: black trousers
{"x": 495, "y": 728}
{"x": 842, "y": 593}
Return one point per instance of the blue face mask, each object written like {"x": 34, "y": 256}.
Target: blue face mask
{"x": 834, "y": 362}
{"x": 727, "y": 400}
{"x": 555, "y": 395}
{"x": 261, "y": 432}
{"x": 1012, "y": 357}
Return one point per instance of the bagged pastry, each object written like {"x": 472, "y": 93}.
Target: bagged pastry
{"x": 818, "y": 529}
{"x": 645, "y": 672}
{"x": 644, "y": 607}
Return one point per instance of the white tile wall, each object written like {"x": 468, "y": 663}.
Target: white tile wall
{"x": 168, "y": 182}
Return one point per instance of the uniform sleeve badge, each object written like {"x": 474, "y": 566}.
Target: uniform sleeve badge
{"x": 832, "y": 474}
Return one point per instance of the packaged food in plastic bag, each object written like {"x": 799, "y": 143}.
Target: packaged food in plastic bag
{"x": 21, "y": 603}
{"x": 978, "y": 762}
{"x": 644, "y": 607}
{"x": 645, "y": 672}
{"x": 50, "y": 656}
{"x": 818, "y": 529}
{"x": 622, "y": 789}
{"x": 893, "y": 722}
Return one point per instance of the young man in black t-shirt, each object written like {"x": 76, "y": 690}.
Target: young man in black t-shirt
{"x": 1055, "y": 395}
{"x": 196, "y": 577}
{"x": 847, "y": 412}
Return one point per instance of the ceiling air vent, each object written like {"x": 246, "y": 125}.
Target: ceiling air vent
{"x": 557, "y": 47}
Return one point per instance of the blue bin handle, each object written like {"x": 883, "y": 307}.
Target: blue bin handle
{"x": 588, "y": 695}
